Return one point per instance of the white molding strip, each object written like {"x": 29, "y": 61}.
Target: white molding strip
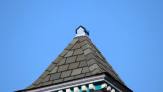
{"x": 74, "y": 83}
{"x": 70, "y": 84}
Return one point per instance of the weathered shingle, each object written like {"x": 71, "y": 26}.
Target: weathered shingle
{"x": 68, "y": 78}
{"x": 66, "y": 74}
{"x": 76, "y": 71}
{"x": 80, "y": 57}
{"x": 76, "y": 46}
{"x": 69, "y": 53}
{"x": 62, "y": 61}
{"x": 83, "y": 63}
{"x": 63, "y": 68}
{"x": 86, "y": 46}
{"x": 87, "y": 51}
{"x": 91, "y": 61}
{"x": 73, "y": 65}
{"x": 96, "y": 71}
{"x": 85, "y": 70}
{"x": 79, "y": 76}
{"x": 47, "y": 78}
{"x": 55, "y": 76}
{"x": 57, "y": 81}
{"x": 78, "y": 51}
{"x": 93, "y": 67}
{"x": 54, "y": 70}
{"x": 71, "y": 59}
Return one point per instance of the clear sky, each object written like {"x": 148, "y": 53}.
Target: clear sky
{"x": 129, "y": 33}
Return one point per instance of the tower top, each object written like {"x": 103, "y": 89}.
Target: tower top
{"x": 80, "y": 67}
{"x": 81, "y": 31}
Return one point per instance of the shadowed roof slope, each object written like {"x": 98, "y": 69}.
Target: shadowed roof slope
{"x": 79, "y": 59}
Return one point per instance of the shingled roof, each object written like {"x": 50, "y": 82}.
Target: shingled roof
{"x": 80, "y": 59}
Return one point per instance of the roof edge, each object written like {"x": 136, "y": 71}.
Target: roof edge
{"x": 23, "y": 90}
{"x": 104, "y": 73}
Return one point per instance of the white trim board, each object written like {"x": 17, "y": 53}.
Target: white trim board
{"x": 74, "y": 83}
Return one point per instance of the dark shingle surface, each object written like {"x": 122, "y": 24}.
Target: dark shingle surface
{"x": 78, "y": 60}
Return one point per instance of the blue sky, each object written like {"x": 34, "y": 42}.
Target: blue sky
{"x": 129, "y": 33}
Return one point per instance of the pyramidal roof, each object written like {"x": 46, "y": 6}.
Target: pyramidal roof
{"x": 80, "y": 59}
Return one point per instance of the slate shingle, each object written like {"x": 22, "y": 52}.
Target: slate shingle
{"x": 54, "y": 70}
{"x": 96, "y": 71}
{"x": 87, "y": 51}
{"x": 85, "y": 70}
{"x": 80, "y": 57}
{"x": 73, "y": 65}
{"x": 83, "y": 43}
{"x": 66, "y": 74}
{"x": 69, "y": 54}
{"x": 76, "y": 71}
{"x": 71, "y": 59}
{"x": 83, "y": 39}
{"x": 74, "y": 41}
{"x": 62, "y": 61}
{"x": 63, "y": 68}
{"x": 93, "y": 67}
{"x": 76, "y": 46}
{"x": 55, "y": 76}
{"x": 47, "y": 78}
{"x": 90, "y": 56}
{"x": 58, "y": 81}
{"x": 91, "y": 61}
{"x": 83, "y": 63}
{"x": 79, "y": 76}
{"x": 78, "y": 51}
{"x": 47, "y": 83}
{"x": 68, "y": 78}
{"x": 86, "y": 46}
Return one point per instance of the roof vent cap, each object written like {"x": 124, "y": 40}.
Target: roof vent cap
{"x": 81, "y": 31}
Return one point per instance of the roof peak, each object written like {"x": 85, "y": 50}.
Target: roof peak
{"x": 81, "y": 31}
